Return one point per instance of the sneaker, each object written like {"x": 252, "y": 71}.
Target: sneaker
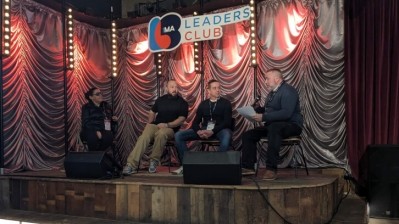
{"x": 129, "y": 169}
{"x": 247, "y": 172}
{"x": 178, "y": 171}
{"x": 153, "y": 166}
{"x": 270, "y": 175}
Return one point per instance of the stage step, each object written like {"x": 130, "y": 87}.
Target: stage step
{"x": 164, "y": 198}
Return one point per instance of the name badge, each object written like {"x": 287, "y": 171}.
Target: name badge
{"x": 210, "y": 126}
{"x": 107, "y": 124}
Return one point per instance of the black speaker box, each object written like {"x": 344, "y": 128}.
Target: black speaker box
{"x": 212, "y": 168}
{"x": 88, "y": 165}
{"x": 383, "y": 180}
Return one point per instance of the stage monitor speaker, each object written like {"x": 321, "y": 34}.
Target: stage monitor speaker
{"x": 383, "y": 180}
{"x": 212, "y": 168}
{"x": 88, "y": 165}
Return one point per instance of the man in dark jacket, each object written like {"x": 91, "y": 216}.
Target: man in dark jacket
{"x": 282, "y": 118}
{"x": 212, "y": 120}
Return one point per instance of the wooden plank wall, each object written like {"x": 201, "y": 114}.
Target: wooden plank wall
{"x": 79, "y": 199}
{"x": 175, "y": 204}
{"x": 4, "y": 194}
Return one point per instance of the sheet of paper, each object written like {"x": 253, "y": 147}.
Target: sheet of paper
{"x": 247, "y": 112}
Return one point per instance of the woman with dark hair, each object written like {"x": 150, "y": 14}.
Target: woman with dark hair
{"x": 98, "y": 121}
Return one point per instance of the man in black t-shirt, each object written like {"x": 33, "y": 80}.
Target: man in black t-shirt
{"x": 164, "y": 119}
{"x": 212, "y": 120}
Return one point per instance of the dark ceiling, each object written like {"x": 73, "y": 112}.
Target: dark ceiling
{"x": 102, "y": 8}
{"x": 98, "y": 12}
{"x": 97, "y": 8}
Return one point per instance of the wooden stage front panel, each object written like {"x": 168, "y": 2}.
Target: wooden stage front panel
{"x": 163, "y": 198}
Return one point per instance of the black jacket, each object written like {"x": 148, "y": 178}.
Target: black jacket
{"x": 93, "y": 117}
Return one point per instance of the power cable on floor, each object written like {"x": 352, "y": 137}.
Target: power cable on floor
{"x": 285, "y": 220}
{"x": 267, "y": 201}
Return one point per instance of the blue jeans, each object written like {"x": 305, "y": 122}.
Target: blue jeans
{"x": 181, "y": 137}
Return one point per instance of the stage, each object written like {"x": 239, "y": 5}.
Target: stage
{"x": 164, "y": 198}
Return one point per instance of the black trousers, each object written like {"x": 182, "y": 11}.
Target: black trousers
{"x": 274, "y": 132}
{"x": 95, "y": 144}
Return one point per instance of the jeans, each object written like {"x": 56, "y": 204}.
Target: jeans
{"x": 274, "y": 132}
{"x": 181, "y": 137}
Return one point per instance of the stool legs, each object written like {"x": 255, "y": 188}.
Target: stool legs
{"x": 260, "y": 152}
{"x": 303, "y": 158}
{"x": 262, "y": 156}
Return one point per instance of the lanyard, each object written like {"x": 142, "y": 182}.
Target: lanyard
{"x": 210, "y": 107}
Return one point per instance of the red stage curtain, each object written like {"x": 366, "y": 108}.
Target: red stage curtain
{"x": 92, "y": 69}
{"x": 33, "y": 89}
{"x": 303, "y": 38}
{"x": 135, "y": 86}
{"x": 372, "y": 75}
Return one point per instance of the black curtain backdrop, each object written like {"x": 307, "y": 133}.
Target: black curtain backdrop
{"x": 305, "y": 39}
{"x": 371, "y": 76}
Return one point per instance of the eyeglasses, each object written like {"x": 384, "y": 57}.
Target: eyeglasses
{"x": 97, "y": 94}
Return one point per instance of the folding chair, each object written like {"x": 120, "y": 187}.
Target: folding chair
{"x": 215, "y": 142}
{"x": 170, "y": 146}
{"x": 294, "y": 142}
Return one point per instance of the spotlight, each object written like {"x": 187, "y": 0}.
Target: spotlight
{"x": 6, "y": 27}
{"x": 69, "y": 34}
{"x": 158, "y": 63}
{"x": 252, "y": 5}
{"x": 114, "y": 62}
{"x": 197, "y": 55}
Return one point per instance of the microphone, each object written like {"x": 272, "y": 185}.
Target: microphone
{"x": 256, "y": 101}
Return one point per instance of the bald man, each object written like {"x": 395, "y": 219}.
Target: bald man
{"x": 164, "y": 119}
{"x": 282, "y": 118}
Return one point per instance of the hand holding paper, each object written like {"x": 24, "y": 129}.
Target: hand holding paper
{"x": 247, "y": 112}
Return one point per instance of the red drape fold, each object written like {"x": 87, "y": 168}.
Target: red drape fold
{"x": 371, "y": 76}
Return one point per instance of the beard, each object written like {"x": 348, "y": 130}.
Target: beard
{"x": 172, "y": 95}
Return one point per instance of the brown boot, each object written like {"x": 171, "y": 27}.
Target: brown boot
{"x": 270, "y": 175}
{"x": 247, "y": 172}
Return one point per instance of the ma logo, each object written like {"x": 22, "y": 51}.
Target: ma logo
{"x": 163, "y": 32}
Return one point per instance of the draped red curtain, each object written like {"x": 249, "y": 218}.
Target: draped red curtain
{"x": 33, "y": 106}
{"x": 303, "y": 38}
{"x": 135, "y": 86}
{"x": 92, "y": 69}
{"x": 371, "y": 75}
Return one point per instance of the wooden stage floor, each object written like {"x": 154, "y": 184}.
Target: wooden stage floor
{"x": 164, "y": 198}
